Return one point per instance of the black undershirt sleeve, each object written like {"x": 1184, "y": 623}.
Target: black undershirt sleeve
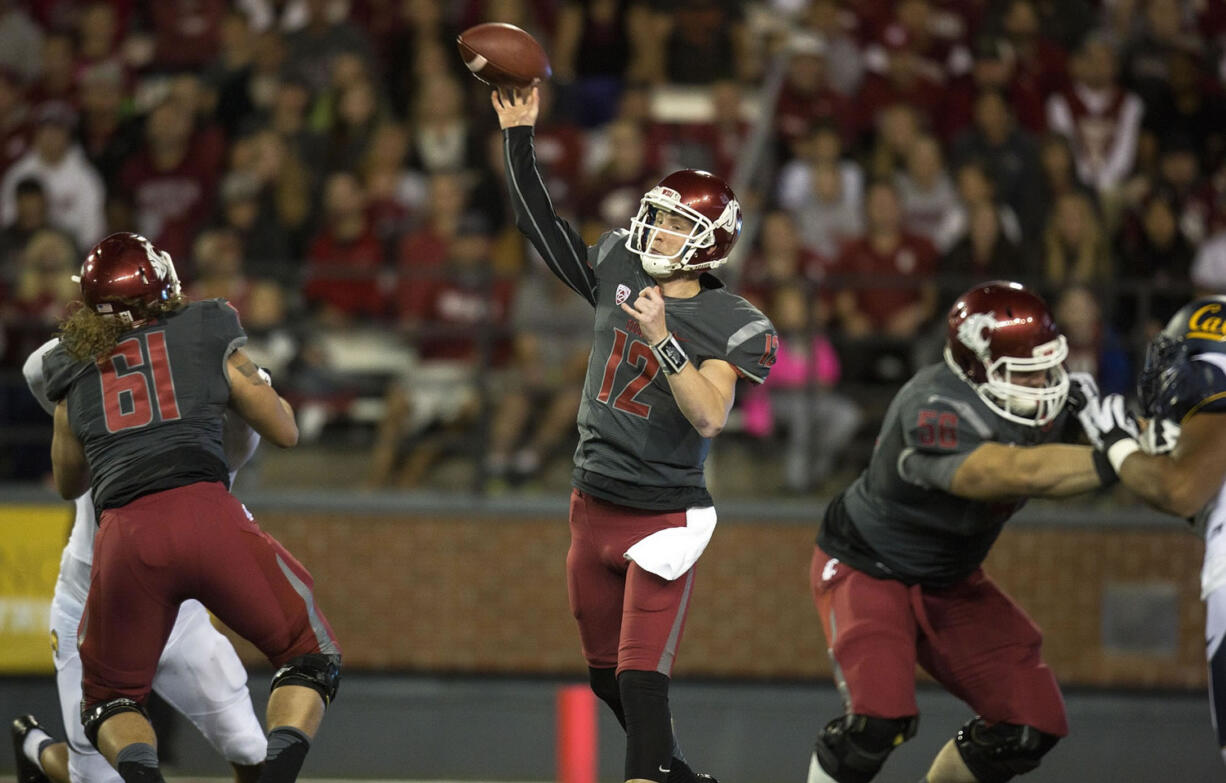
{"x": 559, "y": 244}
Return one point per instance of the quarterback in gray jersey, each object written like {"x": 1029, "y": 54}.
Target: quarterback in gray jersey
{"x": 897, "y": 575}
{"x": 669, "y": 344}
{"x": 1178, "y": 465}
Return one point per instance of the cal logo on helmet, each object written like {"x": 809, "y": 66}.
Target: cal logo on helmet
{"x": 1207, "y": 323}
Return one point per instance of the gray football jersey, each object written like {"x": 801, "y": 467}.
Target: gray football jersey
{"x": 915, "y": 529}
{"x": 150, "y": 414}
{"x": 630, "y": 426}
{"x": 635, "y": 446}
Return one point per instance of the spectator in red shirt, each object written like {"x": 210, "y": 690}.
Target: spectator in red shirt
{"x": 15, "y": 128}
{"x": 218, "y": 259}
{"x": 449, "y": 316}
{"x": 1101, "y": 119}
{"x": 421, "y": 253}
{"x": 938, "y": 41}
{"x": 457, "y": 322}
{"x": 807, "y": 97}
{"x": 99, "y": 33}
{"x": 186, "y": 33}
{"x": 611, "y": 194}
{"x": 781, "y": 261}
{"x": 171, "y": 182}
{"x": 835, "y": 25}
{"x": 995, "y": 69}
{"x": 1041, "y": 63}
{"x": 888, "y": 294}
{"x": 903, "y": 80}
{"x": 42, "y": 289}
{"x": 57, "y": 82}
{"x": 345, "y": 259}
{"x": 560, "y": 148}
{"x": 394, "y": 193}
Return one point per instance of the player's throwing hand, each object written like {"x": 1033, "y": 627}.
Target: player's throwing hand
{"x": 648, "y": 310}
{"x": 516, "y": 105}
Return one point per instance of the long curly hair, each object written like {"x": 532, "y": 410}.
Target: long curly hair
{"x": 87, "y": 334}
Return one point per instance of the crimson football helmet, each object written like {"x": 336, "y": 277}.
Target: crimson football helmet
{"x": 124, "y": 275}
{"x": 695, "y": 195}
{"x": 998, "y": 330}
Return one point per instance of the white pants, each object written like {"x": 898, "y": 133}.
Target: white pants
{"x": 199, "y": 674}
{"x": 1215, "y": 653}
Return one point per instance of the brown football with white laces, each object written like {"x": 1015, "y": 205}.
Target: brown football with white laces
{"x": 503, "y": 55}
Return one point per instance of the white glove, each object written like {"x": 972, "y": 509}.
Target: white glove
{"x": 1107, "y": 421}
{"x": 1082, "y": 389}
{"x": 1160, "y": 436}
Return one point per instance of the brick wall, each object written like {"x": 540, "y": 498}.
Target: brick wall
{"x": 482, "y": 594}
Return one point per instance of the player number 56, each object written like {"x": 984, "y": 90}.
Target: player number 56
{"x": 937, "y": 428}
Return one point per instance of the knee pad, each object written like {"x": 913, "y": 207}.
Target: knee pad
{"x": 93, "y": 717}
{"x": 994, "y": 754}
{"x": 852, "y": 749}
{"x": 318, "y": 671}
{"x": 649, "y": 730}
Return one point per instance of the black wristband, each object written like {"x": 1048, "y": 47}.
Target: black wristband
{"x": 670, "y": 356}
{"x": 1102, "y": 465}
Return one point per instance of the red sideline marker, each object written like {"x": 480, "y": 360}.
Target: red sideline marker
{"x": 576, "y": 734}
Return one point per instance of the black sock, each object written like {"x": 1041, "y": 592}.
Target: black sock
{"x": 680, "y": 772}
{"x": 649, "y": 734}
{"x": 138, "y": 763}
{"x": 604, "y": 685}
{"x": 287, "y": 749}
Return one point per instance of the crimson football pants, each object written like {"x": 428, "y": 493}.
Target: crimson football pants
{"x": 970, "y": 637}
{"x": 196, "y": 541}
{"x": 628, "y": 617}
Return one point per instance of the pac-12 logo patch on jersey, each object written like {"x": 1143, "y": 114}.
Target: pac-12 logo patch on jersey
{"x": 623, "y": 293}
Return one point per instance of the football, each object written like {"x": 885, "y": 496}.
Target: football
{"x": 503, "y": 55}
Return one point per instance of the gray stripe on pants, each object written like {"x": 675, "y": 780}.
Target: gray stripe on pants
{"x": 665, "y": 666}
{"x": 326, "y": 646}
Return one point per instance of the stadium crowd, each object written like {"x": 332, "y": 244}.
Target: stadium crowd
{"x": 330, "y": 168}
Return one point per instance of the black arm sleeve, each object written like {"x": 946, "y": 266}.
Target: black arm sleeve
{"x": 563, "y": 249}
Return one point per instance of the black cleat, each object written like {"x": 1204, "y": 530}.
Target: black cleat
{"x": 27, "y": 771}
{"x": 705, "y": 778}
